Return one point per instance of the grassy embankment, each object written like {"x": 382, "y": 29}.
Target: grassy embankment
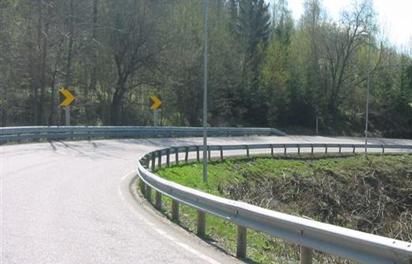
{"x": 371, "y": 194}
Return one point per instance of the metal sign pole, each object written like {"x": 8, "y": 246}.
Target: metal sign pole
{"x": 205, "y": 157}
{"x": 367, "y": 95}
{"x": 67, "y": 115}
{"x": 155, "y": 117}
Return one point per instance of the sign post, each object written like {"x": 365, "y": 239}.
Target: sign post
{"x": 68, "y": 100}
{"x": 205, "y": 174}
{"x": 155, "y": 105}
{"x": 67, "y": 115}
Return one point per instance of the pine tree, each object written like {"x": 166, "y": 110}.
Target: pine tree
{"x": 253, "y": 30}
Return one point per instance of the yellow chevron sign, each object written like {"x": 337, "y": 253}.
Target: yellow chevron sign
{"x": 68, "y": 97}
{"x": 155, "y": 102}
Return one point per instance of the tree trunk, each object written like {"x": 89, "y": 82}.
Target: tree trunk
{"x": 93, "y": 74}
{"x": 43, "y": 73}
{"x": 52, "y": 99}
{"x": 117, "y": 103}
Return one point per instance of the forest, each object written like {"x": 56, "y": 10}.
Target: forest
{"x": 265, "y": 68}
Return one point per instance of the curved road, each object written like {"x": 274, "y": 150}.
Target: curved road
{"x": 69, "y": 202}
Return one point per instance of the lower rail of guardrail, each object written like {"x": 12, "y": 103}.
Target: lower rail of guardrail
{"x": 308, "y": 234}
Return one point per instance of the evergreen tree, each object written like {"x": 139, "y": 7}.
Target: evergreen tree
{"x": 253, "y": 29}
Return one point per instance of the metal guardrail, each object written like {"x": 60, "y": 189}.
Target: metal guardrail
{"x": 309, "y": 234}
{"x": 12, "y": 134}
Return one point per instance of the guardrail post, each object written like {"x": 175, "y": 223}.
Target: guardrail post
{"x": 177, "y": 156}
{"x": 383, "y": 149}
{"x": 197, "y": 154}
{"x": 221, "y": 153}
{"x": 175, "y": 210}
{"x": 201, "y": 223}
{"x": 143, "y": 161}
{"x": 299, "y": 150}
{"x": 311, "y": 149}
{"x": 247, "y": 151}
{"x": 168, "y": 157}
{"x": 159, "y": 159}
{"x": 153, "y": 161}
{"x": 305, "y": 255}
{"x": 158, "y": 202}
{"x": 142, "y": 188}
{"x": 209, "y": 154}
{"x": 187, "y": 154}
{"x": 149, "y": 193}
{"x": 354, "y": 149}
{"x": 241, "y": 241}
{"x": 340, "y": 149}
{"x": 271, "y": 150}
{"x": 326, "y": 149}
{"x": 284, "y": 152}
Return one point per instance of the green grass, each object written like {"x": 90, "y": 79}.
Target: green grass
{"x": 325, "y": 189}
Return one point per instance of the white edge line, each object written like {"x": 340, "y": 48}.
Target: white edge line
{"x": 158, "y": 230}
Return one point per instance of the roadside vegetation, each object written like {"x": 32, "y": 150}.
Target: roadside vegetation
{"x": 372, "y": 194}
{"x": 266, "y": 67}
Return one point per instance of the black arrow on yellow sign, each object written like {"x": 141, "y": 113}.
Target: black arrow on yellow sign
{"x": 68, "y": 97}
{"x": 155, "y": 102}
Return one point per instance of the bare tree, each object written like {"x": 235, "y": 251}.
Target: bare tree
{"x": 133, "y": 45}
{"x": 340, "y": 43}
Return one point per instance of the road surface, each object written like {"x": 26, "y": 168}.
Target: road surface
{"x": 69, "y": 202}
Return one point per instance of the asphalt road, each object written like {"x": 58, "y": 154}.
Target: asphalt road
{"x": 69, "y": 202}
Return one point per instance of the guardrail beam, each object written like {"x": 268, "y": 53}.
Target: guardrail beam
{"x": 334, "y": 240}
